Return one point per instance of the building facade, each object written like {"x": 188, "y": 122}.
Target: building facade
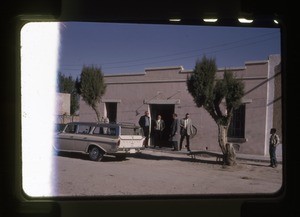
{"x": 63, "y": 109}
{"x": 164, "y": 91}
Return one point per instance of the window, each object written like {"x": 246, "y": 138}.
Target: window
{"x": 105, "y": 131}
{"x": 71, "y": 128}
{"x": 98, "y": 130}
{"x": 84, "y": 129}
{"x": 237, "y": 124}
{"x": 131, "y": 130}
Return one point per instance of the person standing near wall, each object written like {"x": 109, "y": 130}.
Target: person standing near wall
{"x": 186, "y": 130}
{"x": 144, "y": 123}
{"x": 274, "y": 142}
{"x": 174, "y": 132}
{"x": 158, "y": 131}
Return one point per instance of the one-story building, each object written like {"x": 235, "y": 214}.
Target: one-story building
{"x": 63, "y": 109}
{"x": 164, "y": 91}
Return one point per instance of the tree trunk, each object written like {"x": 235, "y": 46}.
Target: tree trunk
{"x": 229, "y": 156}
{"x": 97, "y": 113}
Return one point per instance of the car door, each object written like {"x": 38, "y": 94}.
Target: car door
{"x": 82, "y": 138}
{"x": 65, "y": 140}
{"x": 105, "y": 136}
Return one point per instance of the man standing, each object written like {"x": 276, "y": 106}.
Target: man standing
{"x": 274, "y": 142}
{"x": 144, "y": 123}
{"x": 158, "y": 131}
{"x": 186, "y": 130}
{"x": 174, "y": 135}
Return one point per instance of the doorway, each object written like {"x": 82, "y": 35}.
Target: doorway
{"x": 111, "y": 111}
{"x": 166, "y": 111}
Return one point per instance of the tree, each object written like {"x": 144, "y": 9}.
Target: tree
{"x": 91, "y": 87}
{"x": 209, "y": 92}
{"x": 67, "y": 85}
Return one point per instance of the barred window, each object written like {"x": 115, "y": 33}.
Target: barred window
{"x": 237, "y": 124}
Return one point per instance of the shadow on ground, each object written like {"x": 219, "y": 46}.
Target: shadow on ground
{"x": 144, "y": 156}
{"x": 147, "y": 156}
{"x": 81, "y": 156}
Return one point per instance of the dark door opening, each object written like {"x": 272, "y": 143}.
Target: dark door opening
{"x": 166, "y": 111}
{"x": 111, "y": 109}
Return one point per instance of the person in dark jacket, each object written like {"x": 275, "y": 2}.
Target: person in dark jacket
{"x": 174, "y": 133}
{"x": 274, "y": 142}
{"x": 145, "y": 124}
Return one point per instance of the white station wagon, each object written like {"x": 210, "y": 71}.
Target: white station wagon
{"x": 99, "y": 139}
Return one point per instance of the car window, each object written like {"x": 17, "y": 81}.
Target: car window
{"x": 84, "y": 129}
{"x": 71, "y": 128}
{"x": 98, "y": 130}
{"x": 101, "y": 130}
{"x": 126, "y": 130}
{"x": 59, "y": 127}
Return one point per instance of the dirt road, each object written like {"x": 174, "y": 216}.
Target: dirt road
{"x": 157, "y": 173}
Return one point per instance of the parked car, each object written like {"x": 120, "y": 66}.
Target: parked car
{"x": 99, "y": 139}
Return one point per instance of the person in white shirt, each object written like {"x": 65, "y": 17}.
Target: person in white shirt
{"x": 158, "y": 131}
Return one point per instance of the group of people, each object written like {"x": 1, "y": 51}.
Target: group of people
{"x": 180, "y": 130}
{"x": 183, "y": 129}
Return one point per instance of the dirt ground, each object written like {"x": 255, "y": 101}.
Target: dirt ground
{"x": 158, "y": 173}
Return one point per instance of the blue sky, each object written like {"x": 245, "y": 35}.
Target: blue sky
{"x": 130, "y": 48}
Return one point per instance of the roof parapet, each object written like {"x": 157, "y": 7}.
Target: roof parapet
{"x": 164, "y": 68}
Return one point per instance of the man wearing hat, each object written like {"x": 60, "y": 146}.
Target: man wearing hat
{"x": 186, "y": 130}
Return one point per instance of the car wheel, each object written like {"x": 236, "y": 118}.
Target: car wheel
{"x": 95, "y": 154}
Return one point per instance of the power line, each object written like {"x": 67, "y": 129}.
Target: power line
{"x": 190, "y": 51}
{"x": 186, "y": 57}
{"x": 186, "y": 52}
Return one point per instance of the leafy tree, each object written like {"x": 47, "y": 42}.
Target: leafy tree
{"x": 209, "y": 92}
{"x": 91, "y": 87}
{"x": 67, "y": 85}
